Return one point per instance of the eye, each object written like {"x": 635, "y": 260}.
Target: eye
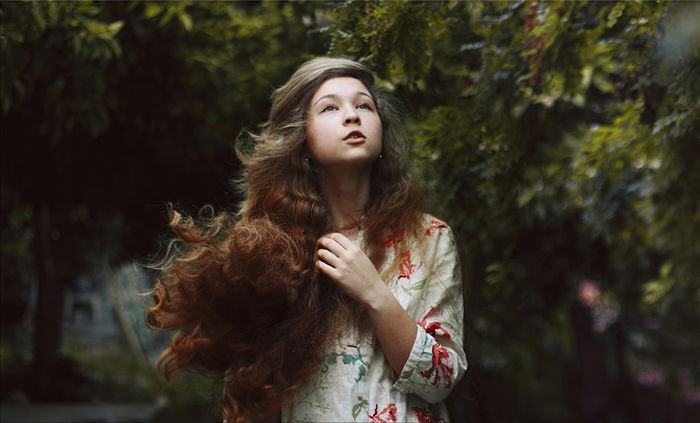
{"x": 366, "y": 106}
{"x": 328, "y": 108}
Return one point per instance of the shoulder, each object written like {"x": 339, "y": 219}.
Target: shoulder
{"x": 436, "y": 231}
{"x": 435, "y": 234}
{"x": 426, "y": 234}
{"x": 433, "y": 225}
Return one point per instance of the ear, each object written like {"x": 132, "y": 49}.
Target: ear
{"x": 306, "y": 157}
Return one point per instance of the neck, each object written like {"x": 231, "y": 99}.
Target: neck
{"x": 347, "y": 193}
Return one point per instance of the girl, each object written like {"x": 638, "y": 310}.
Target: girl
{"x": 331, "y": 295}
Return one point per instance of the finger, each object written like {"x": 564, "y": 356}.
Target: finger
{"x": 342, "y": 240}
{"x": 332, "y": 245}
{"x": 326, "y": 269}
{"x": 328, "y": 257}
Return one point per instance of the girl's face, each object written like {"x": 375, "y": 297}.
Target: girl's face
{"x": 343, "y": 127}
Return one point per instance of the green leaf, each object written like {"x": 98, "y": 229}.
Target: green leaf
{"x": 153, "y": 9}
{"x": 356, "y": 410}
{"x": 114, "y": 28}
{"x": 186, "y": 21}
{"x": 362, "y": 372}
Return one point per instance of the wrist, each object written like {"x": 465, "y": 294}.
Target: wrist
{"x": 377, "y": 298}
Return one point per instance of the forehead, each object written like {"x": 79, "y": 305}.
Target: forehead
{"x": 341, "y": 86}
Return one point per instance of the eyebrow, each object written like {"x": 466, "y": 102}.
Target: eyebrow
{"x": 336, "y": 96}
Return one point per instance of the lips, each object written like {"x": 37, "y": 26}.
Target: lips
{"x": 355, "y": 137}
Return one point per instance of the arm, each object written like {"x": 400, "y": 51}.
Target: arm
{"x": 433, "y": 364}
{"x": 393, "y": 327}
{"x": 437, "y": 360}
{"x": 350, "y": 267}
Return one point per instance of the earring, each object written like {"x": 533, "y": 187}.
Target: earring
{"x": 306, "y": 158}
{"x": 380, "y": 156}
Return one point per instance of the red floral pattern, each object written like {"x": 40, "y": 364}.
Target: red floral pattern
{"x": 393, "y": 238}
{"x": 440, "y": 353}
{"x": 406, "y": 266}
{"x": 435, "y": 224}
{"x": 388, "y": 414}
{"x": 433, "y": 328}
{"x": 427, "y": 414}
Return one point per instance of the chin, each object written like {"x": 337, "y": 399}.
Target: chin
{"x": 358, "y": 163}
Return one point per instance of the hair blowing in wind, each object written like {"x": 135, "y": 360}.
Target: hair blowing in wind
{"x": 241, "y": 292}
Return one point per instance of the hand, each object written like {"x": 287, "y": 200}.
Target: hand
{"x": 348, "y": 266}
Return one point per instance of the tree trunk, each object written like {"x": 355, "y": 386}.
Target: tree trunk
{"x": 593, "y": 385}
{"x": 49, "y": 306}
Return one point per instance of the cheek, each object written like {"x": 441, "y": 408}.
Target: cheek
{"x": 315, "y": 136}
{"x": 317, "y": 128}
{"x": 378, "y": 130}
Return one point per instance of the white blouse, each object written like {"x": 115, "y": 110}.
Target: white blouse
{"x": 356, "y": 383}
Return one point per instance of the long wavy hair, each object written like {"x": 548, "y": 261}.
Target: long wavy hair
{"x": 241, "y": 290}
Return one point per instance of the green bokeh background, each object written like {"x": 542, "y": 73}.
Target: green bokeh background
{"x": 560, "y": 140}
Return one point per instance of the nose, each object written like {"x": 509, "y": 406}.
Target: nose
{"x": 351, "y": 116}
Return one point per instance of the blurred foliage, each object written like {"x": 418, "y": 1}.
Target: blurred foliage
{"x": 110, "y": 110}
{"x": 558, "y": 139}
{"x": 115, "y": 377}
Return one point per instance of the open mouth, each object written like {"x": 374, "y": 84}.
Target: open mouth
{"x": 354, "y": 135}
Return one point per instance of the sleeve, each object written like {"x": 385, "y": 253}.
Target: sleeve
{"x": 437, "y": 361}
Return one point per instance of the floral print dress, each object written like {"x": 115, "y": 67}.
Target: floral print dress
{"x": 356, "y": 383}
